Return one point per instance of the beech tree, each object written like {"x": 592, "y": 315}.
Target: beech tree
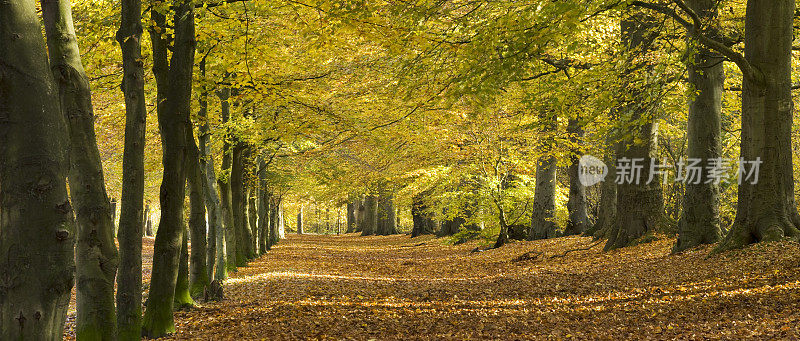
{"x": 158, "y": 319}
{"x": 639, "y": 206}
{"x": 34, "y": 151}
{"x": 96, "y": 254}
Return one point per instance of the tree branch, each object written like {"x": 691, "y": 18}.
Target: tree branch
{"x": 695, "y": 29}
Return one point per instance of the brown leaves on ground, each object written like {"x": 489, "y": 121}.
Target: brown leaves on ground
{"x": 352, "y": 287}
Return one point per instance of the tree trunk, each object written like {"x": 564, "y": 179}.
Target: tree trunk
{"x": 351, "y": 217}
{"x": 36, "y": 211}
{"x": 502, "y": 238}
{"x": 145, "y": 220}
{"x": 543, "y": 225}
{"x": 370, "y": 215}
{"x": 238, "y": 204}
{"x": 423, "y": 222}
{"x": 281, "y": 222}
{"x": 360, "y": 211}
{"x": 96, "y": 258}
{"x": 263, "y": 207}
{"x": 578, "y": 221}
{"x": 273, "y": 222}
{"x": 197, "y": 217}
{"x": 225, "y": 186}
{"x": 391, "y": 216}
{"x": 300, "y": 221}
{"x": 382, "y": 229}
{"x": 699, "y": 222}
{"x": 766, "y": 209}
{"x": 158, "y": 319}
{"x": 451, "y": 226}
{"x": 183, "y": 298}
{"x": 387, "y": 219}
{"x": 215, "y": 259}
{"x": 608, "y": 203}
{"x": 253, "y": 219}
{"x": 639, "y": 203}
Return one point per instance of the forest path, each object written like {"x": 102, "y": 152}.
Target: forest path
{"x": 352, "y": 287}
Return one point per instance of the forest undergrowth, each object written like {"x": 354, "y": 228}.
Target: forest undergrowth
{"x": 395, "y": 287}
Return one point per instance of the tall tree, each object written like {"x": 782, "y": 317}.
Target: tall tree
{"x": 543, "y": 224}
{"x": 360, "y": 212}
{"x": 766, "y": 209}
{"x": 238, "y": 202}
{"x": 578, "y": 220}
{"x": 273, "y": 222}
{"x": 172, "y": 121}
{"x": 699, "y": 222}
{"x": 639, "y": 200}
{"x": 216, "y": 230}
{"x": 370, "y": 215}
{"x": 197, "y": 217}
{"x": 252, "y": 219}
{"x": 224, "y": 183}
{"x": 33, "y": 149}
{"x": 96, "y": 254}
{"x": 423, "y": 220}
{"x": 263, "y": 207}
{"x": 183, "y": 298}
{"x": 351, "y": 216}
{"x": 607, "y": 209}
{"x": 300, "y": 220}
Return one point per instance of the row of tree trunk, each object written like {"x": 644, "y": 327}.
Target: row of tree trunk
{"x": 53, "y": 139}
{"x": 373, "y": 214}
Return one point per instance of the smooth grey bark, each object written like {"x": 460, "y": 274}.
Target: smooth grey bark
{"x": 767, "y": 210}
{"x": 699, "y": 222}
{"x": 96, "y": 254}
{"x": 607, "y": 211}
{"x": 217, "y": 250}
{"x": 351, "y": 217}
{"x": 263, "y": 207}
{"x": 225, "y": 185}
{"x": 253, "y": 221}
{"x": 263, "y": 221}
{"x": 183, "y": 298}
{"x": 35, "y": 290}
{"x": 370, "y": 222}
{"x": 391, "y": 216}
{"x": 387, "y": 215}
{"x": 281, "y": 222}
{"x": 639, "y": 203}
{"x": 360, "y": 210}
{"x": 578, "y": 220}
{"x": 543, "y": 225}
{"x": 172, "y": 121}
{"x": 198, "y": 272}
{"x": 273, "y": 222}
{"x": 238, "y": 203}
